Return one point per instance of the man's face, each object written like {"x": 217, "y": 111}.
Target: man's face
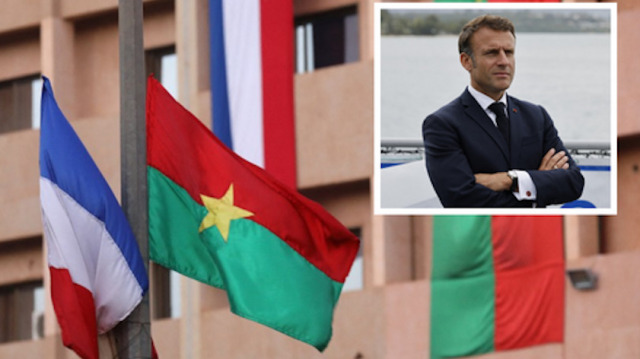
{"x": 493, "y": 65}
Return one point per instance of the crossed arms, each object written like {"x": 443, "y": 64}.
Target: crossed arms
{"x": 467, "y": 169}
{"x": 500, "y": 181}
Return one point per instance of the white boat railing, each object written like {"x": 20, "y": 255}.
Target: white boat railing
{"x": 404, "y": 182}
{"x": 570, "y": 144}
{"x": 391, "y": 148}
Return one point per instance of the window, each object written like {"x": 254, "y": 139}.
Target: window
{"x": 327, "y": 39}
{"x": 20, "y": 104}
{"x": 165, "y": 286}
{"x": 165, "y": 292}
{"x": 21, "y": 310}
{"x": 355, "y": 279}
{"x": 162, "y": 63}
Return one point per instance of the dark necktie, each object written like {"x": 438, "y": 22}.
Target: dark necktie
{"x": 501, "y": 119}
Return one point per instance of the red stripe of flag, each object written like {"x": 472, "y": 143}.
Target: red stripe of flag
{"x": 277, "y": 89}
{"x": 75, "y": 310}
{"x": 528, "y": 257}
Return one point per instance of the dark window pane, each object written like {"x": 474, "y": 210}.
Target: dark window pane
{"x": 327, "y": 39}
{"x": 17, "y": 306}
{"x": 153, "y": 60}
{"x": 161, "y": 292}
{"x": 16, "y": 104}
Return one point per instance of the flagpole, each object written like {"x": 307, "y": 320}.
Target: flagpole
{"x": 133, "y": 335}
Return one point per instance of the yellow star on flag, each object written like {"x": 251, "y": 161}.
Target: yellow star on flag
{"x": 221, "y": 212}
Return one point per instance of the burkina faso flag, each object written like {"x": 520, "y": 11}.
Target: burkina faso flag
{"x": 497, "y": 283}
{"x": 214, "y": 217}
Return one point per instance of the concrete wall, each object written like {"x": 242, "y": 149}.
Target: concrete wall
{"x": 628, "y": 76}
{"x": 334, "y": 114}
{"x": 605, "y": 323}
{"x": 20, "y": 54}
{"x": 619, "y": 232}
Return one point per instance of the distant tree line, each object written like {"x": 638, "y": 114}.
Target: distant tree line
{"x": 421, "y": 22}
{"x": 417, "y": 25}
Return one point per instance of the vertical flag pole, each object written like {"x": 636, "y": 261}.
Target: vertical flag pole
{"x": 133, "y": 335}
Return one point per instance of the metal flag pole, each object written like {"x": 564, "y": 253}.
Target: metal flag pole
{"x": 133, "y": 335}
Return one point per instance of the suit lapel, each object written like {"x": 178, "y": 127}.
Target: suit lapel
{"x": 477, "y": 114}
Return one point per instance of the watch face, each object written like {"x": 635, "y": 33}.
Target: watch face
{"x": 514, "y": 180}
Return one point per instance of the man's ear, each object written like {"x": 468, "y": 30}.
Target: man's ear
{"x": 466, "y": 61}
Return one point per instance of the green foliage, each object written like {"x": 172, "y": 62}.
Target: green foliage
{"x": 436, "y": 22}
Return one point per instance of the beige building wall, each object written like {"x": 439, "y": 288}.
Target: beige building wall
{"x": 75, "y": 43}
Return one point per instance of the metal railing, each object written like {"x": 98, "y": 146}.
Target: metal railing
{"x": 400, "y": 146}
{"x": 571, "y": 144}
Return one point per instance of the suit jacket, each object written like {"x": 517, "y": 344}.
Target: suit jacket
{"x": 461, "y": 140}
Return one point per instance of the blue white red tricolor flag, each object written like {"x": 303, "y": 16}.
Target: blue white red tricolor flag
{"x": 252, "y": 81}
{"x": 97, "y": 273}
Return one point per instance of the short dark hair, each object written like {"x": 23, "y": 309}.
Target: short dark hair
{"x": 493, "y": 22}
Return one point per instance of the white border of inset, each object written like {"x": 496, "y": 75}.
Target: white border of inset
{"x": 612, "y": 7}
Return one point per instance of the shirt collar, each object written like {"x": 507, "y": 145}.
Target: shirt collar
{"x": 485, "y": 101}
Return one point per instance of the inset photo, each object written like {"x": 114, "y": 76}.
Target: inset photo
{"x": 495, "y": 108}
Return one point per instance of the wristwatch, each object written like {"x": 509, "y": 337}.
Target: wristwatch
{"x": 514, "y": 180}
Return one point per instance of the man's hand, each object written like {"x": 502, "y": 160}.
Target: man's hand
{"x": 553, "y": 160}
{"x": 499, "y": 181}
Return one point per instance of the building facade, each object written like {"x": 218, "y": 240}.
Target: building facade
{"x": 385, "y": 314}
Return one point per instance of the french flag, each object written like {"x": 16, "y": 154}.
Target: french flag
{"x": 97, "y": 273}
{"x": 252, "y": 82}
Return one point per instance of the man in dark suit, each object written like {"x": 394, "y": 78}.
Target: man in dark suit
{"x": 489, "y": 149}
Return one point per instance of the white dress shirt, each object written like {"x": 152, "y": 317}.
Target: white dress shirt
{"x": 526, "y": 187}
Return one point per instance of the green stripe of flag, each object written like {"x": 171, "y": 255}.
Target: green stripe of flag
{"x": 291, "y": 295}
{"x": 463, "y": 244}
{"x": 462, "y": 278}
{"x": 470, "y": 330}
{"x": 168, "y": 200}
